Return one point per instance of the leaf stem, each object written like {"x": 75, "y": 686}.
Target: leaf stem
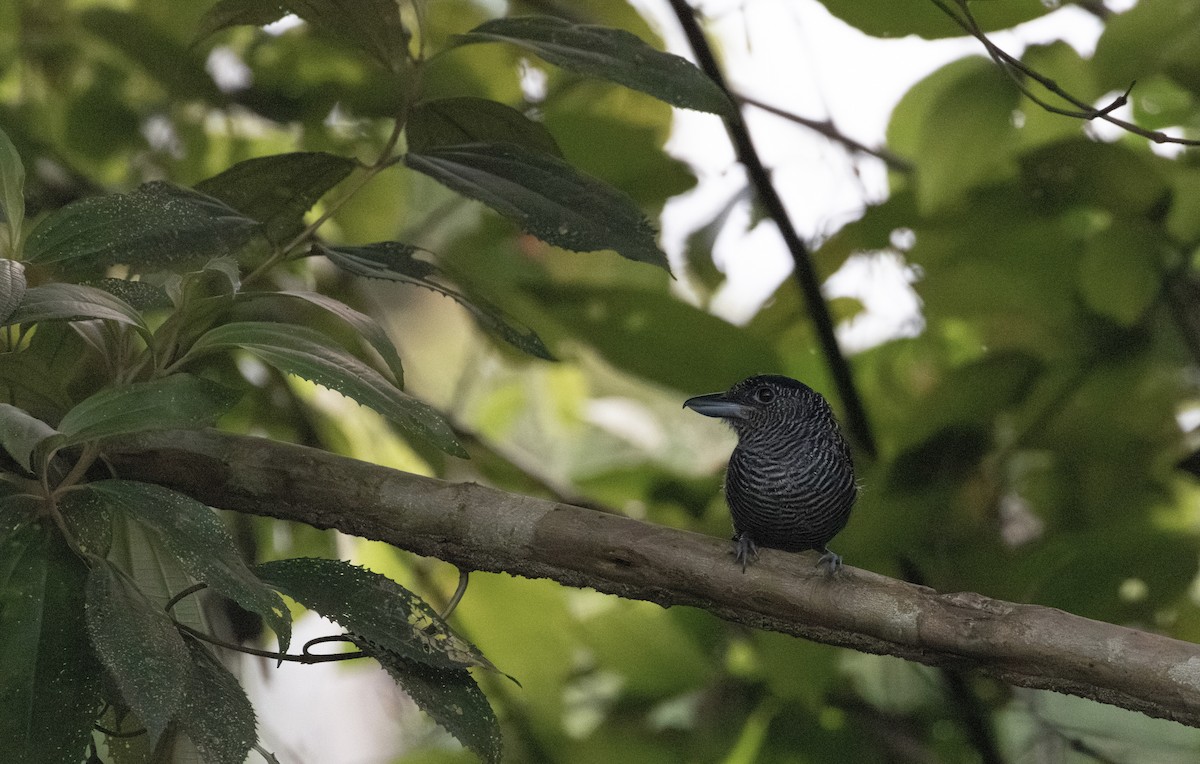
{"x": 306, "y": 658}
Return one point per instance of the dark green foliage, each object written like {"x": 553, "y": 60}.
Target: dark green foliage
{"x": 1028, "y": 428}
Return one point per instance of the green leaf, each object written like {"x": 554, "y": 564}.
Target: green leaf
{"x": 455, "y": 121}
{"x": 373, "y": 26}
{"x": 140, "y": 295}
{"x": 35, "y": 378}
{"x": 49, "y": 678}
{"x": 308, "y": 354}
{"x": 231, "y": 13}
{"x": 217, "y": 715}
{"x": 375, "y": 609}
{"x": 12, "y": 194}
{"x": 545, "y": 196}
{"x": 657, "y": 336}
{"x": 366, "y": 326}
{"x": 139, "y": 646}
{"x": 278, "y": 190}
{"x": 611, "y": 54}
{"x": 449, "y": 696}
{"x": 1119, "y": 273}
{"x": 89, "y": 521}
{"x": 180, "y": 401}
{"x": 75, "y": 302}
{"x": 12, "y": 287}
{"x": 158, "y": 226}
{"x": 900, "y": 18}
{"x": 20, "y": 433}
{"x": 956, "y": 126}
{"x": 394, "y": 261}
{"x": 195, "y": 536}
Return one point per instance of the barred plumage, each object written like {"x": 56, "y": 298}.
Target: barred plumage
{"x": 790, "y": 483}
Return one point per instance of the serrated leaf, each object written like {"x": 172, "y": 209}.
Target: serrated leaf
{"x": 73, "y": 302}
{"x": 180, "y": 401}
{"x": 216, "y": 715}
{"x": 375, "y": 609}
{"x": 450, "y": 697}
{"x": 366, "y": 326}
{"x": 139, "y": 646}
{"x": 611, "y": 54}
{"x": 309, "y": 354}
{"x": 455, "y": 121}
{"x": 195, "y": 536}
{"x": 12, "y": 193}
{"x": 20, "y": 433}
{"x": 158, "y": 226}
{"x": 278, "y": 190}
{"x": 545, "y": 196}
{"x": 394, "y": 261}
{"x": 49, "y": 678}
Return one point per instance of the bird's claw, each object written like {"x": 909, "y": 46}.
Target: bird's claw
{"x": 830, "y": 560}
{"x": 746, "y": 551}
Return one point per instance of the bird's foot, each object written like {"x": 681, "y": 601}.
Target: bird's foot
{"x": 746, "y": 551}
{"x": 830, "y": 560}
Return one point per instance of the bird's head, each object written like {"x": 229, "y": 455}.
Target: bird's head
{"x": 762, "y": 402}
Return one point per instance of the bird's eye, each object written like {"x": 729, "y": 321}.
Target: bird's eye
{"x": 764, "y": 395}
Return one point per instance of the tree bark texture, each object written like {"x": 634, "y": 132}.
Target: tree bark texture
{"x": 479, "y": 528}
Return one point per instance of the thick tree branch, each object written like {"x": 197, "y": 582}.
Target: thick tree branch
{"x": 480, "y": 528}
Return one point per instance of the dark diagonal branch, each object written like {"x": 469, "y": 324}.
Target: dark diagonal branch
{"x": 1019, "y": 71}
{"x": 826, "y": 128}
{"x": 480, "y": 528}
{"x": 857, "y": 422}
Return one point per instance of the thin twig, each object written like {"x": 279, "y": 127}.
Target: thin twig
{"x": 306, "y": 658}
{"x": 857, "y": 422}
{"x": 1014, "y": 67}
{"x": 826, "y": 128}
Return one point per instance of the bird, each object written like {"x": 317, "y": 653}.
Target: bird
{"x": 790, "y": 484}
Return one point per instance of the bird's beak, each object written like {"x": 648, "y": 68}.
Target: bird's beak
{"x": 717, "y": 405}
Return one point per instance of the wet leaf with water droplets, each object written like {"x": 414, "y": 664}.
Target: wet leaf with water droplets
{"x": 159, "y": 226}
{"x": 139, "y": 646}
{"x": 450, "y": 697}
{"x": 395, "y": 261}
{"x": 139, "y": 294}
{"x": 311, "y": 355}
{"x": 49, "y": 677}
{"x": 180, "y": 401}
{"x": 455, "y": 121}
{"x": 277, "y": 190}
{"x": 190, "y": 532}
{"x": 612, "y": 54}
{"x": 545, "y": 196}
{"x": 375, "y": 609}
{"x": 216, "y": 714}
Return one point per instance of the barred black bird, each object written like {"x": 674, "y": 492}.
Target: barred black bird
{"x": 790, "y": 483}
